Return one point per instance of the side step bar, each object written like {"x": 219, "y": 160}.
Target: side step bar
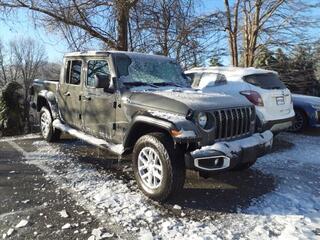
{"x": 115, "y": 148}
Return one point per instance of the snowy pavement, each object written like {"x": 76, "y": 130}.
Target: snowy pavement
{"x": 31, "y": 206}
{"x": 279, "y": 198}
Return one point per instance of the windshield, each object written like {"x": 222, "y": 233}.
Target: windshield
{"x": 265, "y": 81}
{"x": 140, "y": 70}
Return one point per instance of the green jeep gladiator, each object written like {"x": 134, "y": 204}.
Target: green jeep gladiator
{"x": 140, "y": 104}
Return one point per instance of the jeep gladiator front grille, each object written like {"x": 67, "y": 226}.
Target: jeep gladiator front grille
{"x": 233, "y": 123}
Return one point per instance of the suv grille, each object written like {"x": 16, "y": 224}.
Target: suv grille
{"x": 233, "y": 123}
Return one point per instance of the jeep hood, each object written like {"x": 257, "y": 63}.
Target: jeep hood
{"x": 181, "y": 100}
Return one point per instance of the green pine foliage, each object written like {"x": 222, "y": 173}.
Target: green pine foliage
{"x": 11, "y": 110}
{"x": 297, "y": 69}
{"x": 265, "y": 59}
{"x": 215, "y": 62}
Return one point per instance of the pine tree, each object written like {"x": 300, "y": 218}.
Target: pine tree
{"x": 317, "y": 59}
{"x": 11, "y": 109}
{"x": 282, "y": 66}
{"x": 265, "y": 59}
{"x": 303, "y": 78}
{"x": 215, "y": 61}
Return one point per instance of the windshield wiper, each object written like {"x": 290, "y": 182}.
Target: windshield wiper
{"x": 137, "y": 84}
{"x": 167, "y": 84}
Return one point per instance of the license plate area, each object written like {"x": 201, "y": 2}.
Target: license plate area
{"x": 280, "y": 100}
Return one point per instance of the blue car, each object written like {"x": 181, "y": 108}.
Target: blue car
{"x": 307, "y": 111}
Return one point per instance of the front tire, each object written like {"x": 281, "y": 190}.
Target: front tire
{"x": 158, "y": 167}
{"x": 49, "y": 133}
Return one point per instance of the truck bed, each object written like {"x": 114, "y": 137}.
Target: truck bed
{"x": 50, "y": 85}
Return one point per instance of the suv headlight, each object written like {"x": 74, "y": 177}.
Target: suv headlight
{"x": 202, "y": 119}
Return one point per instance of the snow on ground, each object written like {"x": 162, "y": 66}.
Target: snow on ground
{"x": 291, "y": 211}
{"x": 23, "y": 137}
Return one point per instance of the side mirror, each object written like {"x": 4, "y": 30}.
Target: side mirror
{"x": 102, "y": 81}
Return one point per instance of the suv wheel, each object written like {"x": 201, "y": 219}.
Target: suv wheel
{"x": 48, "y": 132}
{"x": 299, "y": 122}
{"x": 158, "y": 168}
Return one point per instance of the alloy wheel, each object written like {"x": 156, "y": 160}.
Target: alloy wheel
{"x": 150, "y": 168}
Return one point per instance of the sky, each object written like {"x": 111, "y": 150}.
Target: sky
{"x": 55, "y": 45}
{"x": 23, "y": 26}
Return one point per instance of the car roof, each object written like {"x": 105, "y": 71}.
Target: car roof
{"x": 231, "y": 71}
{"x": 106, "y": 53}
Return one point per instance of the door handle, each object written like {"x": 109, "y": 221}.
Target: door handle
{"x": 87, "y": 98}
{"x": 67, "y": 94}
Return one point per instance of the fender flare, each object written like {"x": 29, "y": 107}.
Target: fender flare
{"x": 147, "y": 121}
{"x": 51, "y": 101}
{"x": 154, "y": 122}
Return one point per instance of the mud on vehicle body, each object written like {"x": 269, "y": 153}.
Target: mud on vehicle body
{"x": 142, "y": 104}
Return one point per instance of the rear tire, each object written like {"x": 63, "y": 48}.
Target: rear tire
{"x": 158, "y": 167}
{"x": 299, "y": 122}
{"x": 49, "y": 133}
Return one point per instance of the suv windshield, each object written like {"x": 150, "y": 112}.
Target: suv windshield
{"x": 143, "y": 70}
{"x": 265, "y": 81}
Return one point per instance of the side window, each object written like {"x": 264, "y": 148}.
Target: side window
{"x": 207, "y": 80}
{"x": 196, "y": 79}
{"x": 67, "y": 75}
{"x": 75, "y": 73}
{"x": 221, "y": 79}
{"x": 96, "y": 67}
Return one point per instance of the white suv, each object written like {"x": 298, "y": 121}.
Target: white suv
{"x": 263, "y": 88}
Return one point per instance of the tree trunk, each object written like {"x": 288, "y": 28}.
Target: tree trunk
{"x": 122, "y": 21}
{"x": 232, "y": 29}
{"x": 235, "y": 51}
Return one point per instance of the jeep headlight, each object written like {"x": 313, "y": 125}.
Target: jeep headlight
{"x": 202, "y": 119}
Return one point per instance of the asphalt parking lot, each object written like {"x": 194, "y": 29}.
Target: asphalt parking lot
{"x": 70, "y": 190}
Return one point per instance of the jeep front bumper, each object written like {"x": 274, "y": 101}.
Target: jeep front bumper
{"x": 227, "y": 155}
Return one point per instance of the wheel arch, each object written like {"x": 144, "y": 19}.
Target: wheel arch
{"x": 143, "y": 125}
{"x": 47, "y": 99}
{"x": 303, "y": 111}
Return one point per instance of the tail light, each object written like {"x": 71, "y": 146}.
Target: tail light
{"x": 253, "y": 97}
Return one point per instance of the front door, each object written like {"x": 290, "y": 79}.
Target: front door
{"x": 70, "y": 91}
{"x": 98, "y": 105}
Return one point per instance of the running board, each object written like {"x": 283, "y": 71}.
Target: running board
{"x": 115, "y": 148}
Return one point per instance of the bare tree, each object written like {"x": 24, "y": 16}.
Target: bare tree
{"x": 3, "y": 70}
{"x": 28, "y": 57}
{"x": 264, "y": 23}
{"x": 232, "y": 28}
{"x": 172, "y": 28}
{"x": 256, "y": 15}
{"x": 104, "y": 20}
{"x": 8, "y": 69}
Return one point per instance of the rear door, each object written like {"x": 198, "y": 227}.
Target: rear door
{"x": 98, "y": 105}
{"x": 70, "y": 93}
{"x": 276, "y": 96}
